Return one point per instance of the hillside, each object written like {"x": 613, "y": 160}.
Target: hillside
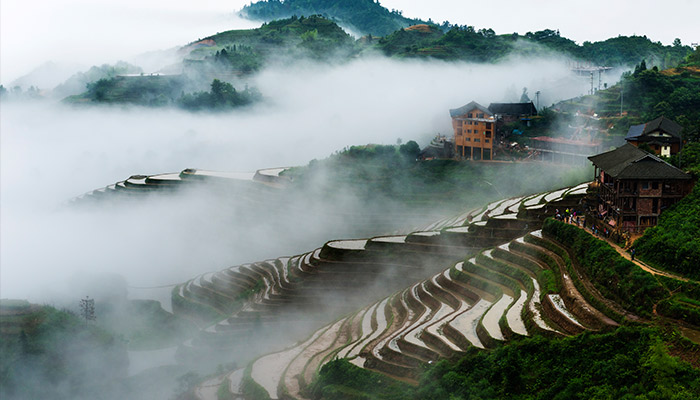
{"x": 647, "y": 93}
{"x": 365, "y": 16}
{"x": 226, "y": 58}
{"x": 235, "y": 55}
{"x": 498, "y": 302}
{"x": 47, "y": 352}
{"x": 484, "y": 45}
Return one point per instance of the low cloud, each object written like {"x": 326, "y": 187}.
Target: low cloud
{"x": 52, "y": 152}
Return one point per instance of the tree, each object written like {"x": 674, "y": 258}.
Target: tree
{"x": 87, "y": 309}
{"x": 524, "y": 98}
{"x": 410, "y": 149}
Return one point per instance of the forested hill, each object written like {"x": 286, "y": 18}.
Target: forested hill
{"x": 365, "y": 16}
{"x": 484, "y": 45}
{"x": 454, "y": 42}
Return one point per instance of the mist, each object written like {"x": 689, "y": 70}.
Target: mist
{"x": 52, "y": 152}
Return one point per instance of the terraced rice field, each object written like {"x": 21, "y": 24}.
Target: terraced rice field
{"x": 393, "y": 303}
{"x": 389, "y": 303}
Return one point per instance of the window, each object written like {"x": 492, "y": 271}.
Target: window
{"x": 645, "y": 185}
{"x": 477, "y": 140}
{"x": 469, "y": 115}
{"x": 480, "y": 115}
{"x": 475, "y": 131}
{"x": 486, "y": 140}
{"x": 467, "y": 140}
{"x": 655, "y": 185}
{"x": 488, "y": 125}
{"x": 488, "y": 134}
{"x": 469, "y": 131}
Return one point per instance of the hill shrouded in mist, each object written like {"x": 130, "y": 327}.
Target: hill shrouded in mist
{"x": 364, "y": 16}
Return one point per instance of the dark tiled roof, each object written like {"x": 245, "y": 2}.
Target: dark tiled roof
{"x": 456, "y": 112}
{"x": 629, "y": 162}
{"x": 661, "y": 124}
{"x": 513, "y": 108}
{"x": 664, "y": 124}
{"x": 635, "y": 131}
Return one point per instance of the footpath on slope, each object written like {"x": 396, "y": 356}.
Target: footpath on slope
{"x": 626, "y": 255}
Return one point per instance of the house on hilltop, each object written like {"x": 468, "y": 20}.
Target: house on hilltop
{"x": 473, "y": 126}
{"x": 662, "y": 135}
{"x": 634, "y": 187}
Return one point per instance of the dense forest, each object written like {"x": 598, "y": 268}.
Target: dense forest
{"x": 468, "y": 44}
{"x": 455, "y": 42}
{"x": 366, "y": 16}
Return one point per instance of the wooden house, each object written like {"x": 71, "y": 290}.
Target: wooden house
{"x": 635, "y": 187}
{"x": 473, "y": 126}
{"x": 662, "y": 135}
{"x": 510, "y": 112}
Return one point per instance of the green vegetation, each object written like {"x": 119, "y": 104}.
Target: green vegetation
{"x": 630, "y": 362}
{"x": 627, "y": 363}
{"x": 340, "y": 380}
{"x": 146, "y": 90}
{"x": 648, "y": 93}
{"x": 615, "y": 277}
{"x": 366, "y": 16}
{"x": 674, "y": 244}
{"x": 466, "y": 43}
{"x": 55, "y": 354}
{"x": 391, "y": 175}
{"x": 159, "y": 91}
{"x": 246, "y": 50}
{"x": 223, "y": 96}
{"x": 77, "y": 83}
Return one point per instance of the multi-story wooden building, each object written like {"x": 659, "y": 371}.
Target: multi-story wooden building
{"x": 662, "y": 135}
{"x": 473, "y": 126}
{"x": 635, "y": 187}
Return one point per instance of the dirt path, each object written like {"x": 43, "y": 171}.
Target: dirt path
{"x": 639, "y": 263}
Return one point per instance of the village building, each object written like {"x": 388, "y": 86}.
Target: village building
{"x": 511, "y": 112}
{"x": 563, "y": 150}
{"x": 662, "y": 135}
{"x": 634, "y": 187}
{"x": 473, "y": 126}
{"x": 441, "y": 147}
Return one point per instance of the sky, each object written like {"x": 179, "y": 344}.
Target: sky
{"x": 77, "y": 34}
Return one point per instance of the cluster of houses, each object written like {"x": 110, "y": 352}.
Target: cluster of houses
{"x": 633, "y": 185}
{"x": 475, "y": 126}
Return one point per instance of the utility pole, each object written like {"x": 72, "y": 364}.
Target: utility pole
{"x": 537, "y": 100}
{"x": 622, "y": 97}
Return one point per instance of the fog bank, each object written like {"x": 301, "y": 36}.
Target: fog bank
{"x": 51, "y": 153}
